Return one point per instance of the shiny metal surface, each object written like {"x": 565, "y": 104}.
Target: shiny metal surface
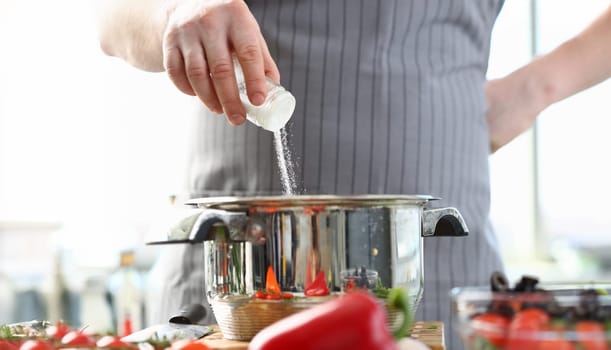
{"x": 372, "y": 241}
{"x": 370, "y": 200}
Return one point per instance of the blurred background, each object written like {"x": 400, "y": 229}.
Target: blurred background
{"x": 92, "y": 152}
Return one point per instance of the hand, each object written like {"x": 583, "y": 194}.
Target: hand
{"x": 513, "y": 106}
{"x": 198, "y": 44}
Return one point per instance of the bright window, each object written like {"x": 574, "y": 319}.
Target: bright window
{"x": 86, "y": 141}
{"x": 552, "y": 216}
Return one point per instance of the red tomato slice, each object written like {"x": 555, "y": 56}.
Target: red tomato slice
{"x": 9, "y": 345}
{"x": 591, "y": 335}
{"x": 492, "y": 327}
{"x": 112, "y": 341}
{"x": 556, "y": 344}
{"x": 189, "y": 344}
{"x": 78, "y": 339}
{"x": 524, "y": 327}
{"x": 57, "y": 331}
{"x": 35, "y": 344}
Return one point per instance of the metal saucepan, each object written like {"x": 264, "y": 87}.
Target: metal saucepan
{"x": 373, "y": 240}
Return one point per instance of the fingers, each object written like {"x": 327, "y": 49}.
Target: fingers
{"x": 198, "y": 75}
{"x": 199, "y": 48}
{"x": 271, "y": 70}
{"x": 248, "y": 51}
{"x": 175, "y": 67}
{"x": 223, "y": 78}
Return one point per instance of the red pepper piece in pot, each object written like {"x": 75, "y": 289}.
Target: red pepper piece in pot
{"x": 271, "y": 283}
{"x": 356, "y": 321}
{"x": 318, "y": 287}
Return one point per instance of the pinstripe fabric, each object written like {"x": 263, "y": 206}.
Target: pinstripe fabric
{"x": 389, "y": 100}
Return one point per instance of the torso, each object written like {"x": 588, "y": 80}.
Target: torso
{"x": 389, "y": 100}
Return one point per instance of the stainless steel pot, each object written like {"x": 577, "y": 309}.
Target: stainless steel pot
{"x": 373, "y": 240}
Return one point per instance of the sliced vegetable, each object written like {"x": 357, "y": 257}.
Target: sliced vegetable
{"x": 78, "y": 339}
{"x": 189, "y": 344}
{"x": 524, "y": 328}
{"x": 271, "y": 283}
{"x": 591, "y": 335}
{"x": 272, "y": 288}
{"x": 8, "y": 345}
{"x": 58, "y": 330}
{"x": 492, "y": 327}
{"x": 36, "y": 344}
{"x": 318, "y": 287}
{"x": 112, "y": 342}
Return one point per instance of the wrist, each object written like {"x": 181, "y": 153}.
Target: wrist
{"x": 538, "y": 87}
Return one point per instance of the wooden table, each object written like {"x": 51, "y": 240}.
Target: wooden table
{"x": 430, "y": 333}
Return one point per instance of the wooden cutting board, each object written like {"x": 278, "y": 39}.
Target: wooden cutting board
{"x": 430, "y": 333}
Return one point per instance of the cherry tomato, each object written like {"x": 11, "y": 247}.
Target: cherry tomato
{"x": 492, "y": 327}
{"x": 8, "y": 345}
{"x": 260, "y": 294}
{"x": 78, "y": 339}
{"x": 189, "y": 344}
{"x": 35, "y": 344}
{"x": 555, "y": 344}
{"x": 591, "y": 335}
{"x": 112, "y": 341}
{"x": 57, "y": 331}
{"x": 524, "y": 327}
{"x": 273, "y": 296}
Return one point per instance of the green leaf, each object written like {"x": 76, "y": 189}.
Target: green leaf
{"x": 5, "y": 332}
{"x": 398, "y": 300}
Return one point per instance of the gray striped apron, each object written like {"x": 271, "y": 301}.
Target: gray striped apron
{"x": 389, "y": 100}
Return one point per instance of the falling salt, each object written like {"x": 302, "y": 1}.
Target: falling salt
{"x": 285, "y": 162}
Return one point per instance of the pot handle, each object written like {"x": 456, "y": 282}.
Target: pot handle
{"x": 195, "y": 227}
{"x": 447, "y": 222}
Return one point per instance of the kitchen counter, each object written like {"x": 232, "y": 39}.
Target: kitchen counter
{"x": 430, "y": 333}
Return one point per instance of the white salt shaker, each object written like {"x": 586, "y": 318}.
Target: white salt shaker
{"x": 275, "y": 112}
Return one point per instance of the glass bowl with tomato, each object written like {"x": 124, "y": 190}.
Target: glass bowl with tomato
{"x": 533, "y": 316}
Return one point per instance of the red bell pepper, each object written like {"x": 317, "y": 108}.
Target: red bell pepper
{"x": 318, "y": 287}
{"x": 272, "y": 288}
{"x": 356, "y": 321}
{"x": 271, "y": 283}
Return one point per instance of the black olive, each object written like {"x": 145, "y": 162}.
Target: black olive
{"x": 502, "y": 308}
{"x": 498, "y": 282}
{"x": 603, "y": 314}
{"x": 527, "y": 284}
{"x": 588, "y": 304}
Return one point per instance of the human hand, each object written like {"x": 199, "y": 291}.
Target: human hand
{"x": 199, "y": 42}
{"x": 513, "y": 106}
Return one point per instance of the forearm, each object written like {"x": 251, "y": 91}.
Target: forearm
{"x": 133, "y": 30}
{"x": 576, "y": 65}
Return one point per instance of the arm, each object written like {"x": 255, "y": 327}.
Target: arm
{"x": 133, "y": 30}
{"x": 194, "y": 42}
{"x": 516, "y": 100}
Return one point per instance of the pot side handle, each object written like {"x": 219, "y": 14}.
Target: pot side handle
{"x": 443, "y": 222}
{"x": 196, "y": 227}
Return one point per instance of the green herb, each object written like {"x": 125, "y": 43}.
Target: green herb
{"x": 483, "y": 344}
{"x": 431, "y": 326}
{"x": 399, "y": 300}
{"x": 5, "y": 332}
{"x": 380, "y": 291}
{"x": 159, "y": 342}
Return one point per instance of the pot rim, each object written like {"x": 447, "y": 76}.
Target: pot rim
{"x": 285, "y": 201}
